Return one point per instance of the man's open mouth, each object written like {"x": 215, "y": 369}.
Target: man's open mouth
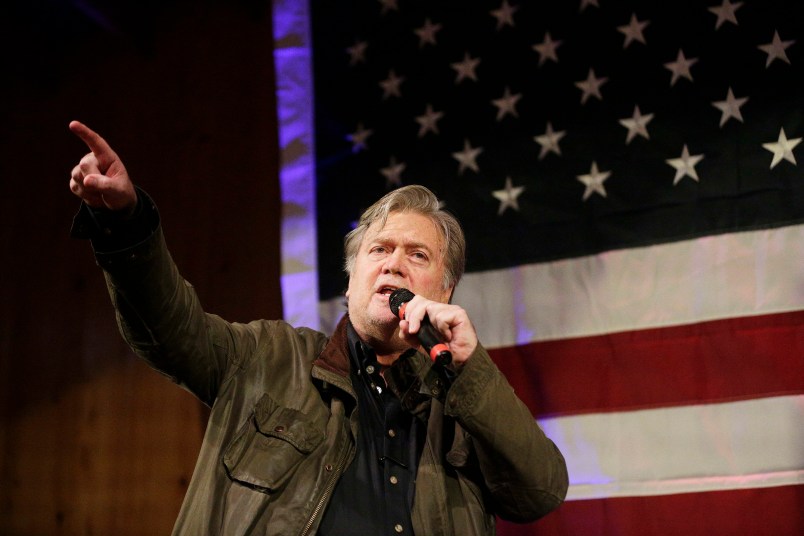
{"x": 386, "y": 291}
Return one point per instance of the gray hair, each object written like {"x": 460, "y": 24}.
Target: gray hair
{"x": 420, "y": 200}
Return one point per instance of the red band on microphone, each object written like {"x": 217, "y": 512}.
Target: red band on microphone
{"x": 437, "y": 349}
{"x": 402, "y": 311}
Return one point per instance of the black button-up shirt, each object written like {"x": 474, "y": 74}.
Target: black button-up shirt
{"x": 375, "y": 494}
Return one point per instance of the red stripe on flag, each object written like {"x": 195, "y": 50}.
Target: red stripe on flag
{"x": 756, "y": 512}
{"x": 720, "y": 360}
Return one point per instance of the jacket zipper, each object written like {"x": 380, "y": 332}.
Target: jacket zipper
{"x": 327, "y": 491}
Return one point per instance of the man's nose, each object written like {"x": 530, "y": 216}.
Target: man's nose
{"x": 395, "y": 262}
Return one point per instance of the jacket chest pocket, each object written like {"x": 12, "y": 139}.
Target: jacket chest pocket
{"x": 270, "y": 446}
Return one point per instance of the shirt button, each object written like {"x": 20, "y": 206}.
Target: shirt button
{"x": 398, "y": 527}
{"x": 391, "y": 433}
{"x": 393, "y": 479}
{"x": 370, "y": 369}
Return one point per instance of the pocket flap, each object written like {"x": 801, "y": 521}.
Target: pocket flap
{"x": 270, "y": 446}
{"x": 286, "y": 424}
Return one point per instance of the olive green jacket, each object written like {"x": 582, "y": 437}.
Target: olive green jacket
{"x": 283, "y": 417}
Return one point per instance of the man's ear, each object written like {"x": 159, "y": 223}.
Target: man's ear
{"x": 451, "y": 294}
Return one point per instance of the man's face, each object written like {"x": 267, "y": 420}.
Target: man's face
{"x": 404, "y": 253}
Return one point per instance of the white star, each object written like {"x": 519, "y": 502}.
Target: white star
{"x": 504, "y": 15}
{"x": 594, "y": 181}
{"x": 506, "y": 104}
{"x": 730, "y": 108}
{"x": 685, "y": 165}
{"x": 390, "y": 86}
{"x": 427, "y": 33}
{"x": 726, "y": 13}
{"x": 636, "y": 124}
{"x": 466, "y": 68}
{"x": 388, "y": 5}
{"x": 782, "y": 149}
{"x": 681, "y": 67}
{"x": 591, "y": 86}
{"x": 547, "y": 49}
{"x": 393, "y": 173}
{"x": 549, "y": 141}
{"x": 467, "y": 158}
{"x": 357, "y": 52}
{"x": 359, "y": 137}
{"x": 428, "y": 121}
{"x": 508, "y": 196}
{"x": 633, "y": 31}
{"x": 587, "y": 3}
{"x": 776, "y": 49}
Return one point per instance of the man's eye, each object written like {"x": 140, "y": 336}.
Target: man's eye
{"x": 419, "y": 255}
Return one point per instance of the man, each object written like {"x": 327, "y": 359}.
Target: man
{"x": 358, "y": 433}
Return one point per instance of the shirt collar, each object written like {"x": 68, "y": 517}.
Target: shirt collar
{"x": 411, "y": 378}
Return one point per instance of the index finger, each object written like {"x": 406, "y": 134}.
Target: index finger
{"x": 102, "y": 151}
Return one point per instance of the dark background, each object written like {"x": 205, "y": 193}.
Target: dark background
{"x": 91, "y": 440}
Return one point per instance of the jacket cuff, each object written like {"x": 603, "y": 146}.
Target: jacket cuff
{"x": 110, "y": 231}
{"x": 474, "y": 378}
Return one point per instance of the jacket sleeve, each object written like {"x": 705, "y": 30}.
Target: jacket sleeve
{"x": 160, "y": 316}
{"x": 523, "y": 470}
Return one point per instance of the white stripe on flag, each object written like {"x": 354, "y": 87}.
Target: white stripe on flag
{"x": 711, "y": 278}
{"x": 736, "y": 445}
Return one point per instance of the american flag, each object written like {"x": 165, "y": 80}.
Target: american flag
{"x": 626, "y": 174}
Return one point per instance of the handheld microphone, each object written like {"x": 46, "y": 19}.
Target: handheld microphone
{"x": 427, "y": 335}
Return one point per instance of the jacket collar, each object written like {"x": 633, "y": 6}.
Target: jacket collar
{"x": 335, "y": 355}
{"x": 412, "y": 378}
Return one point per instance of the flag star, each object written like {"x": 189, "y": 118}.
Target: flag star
{"x": 636, "y": 124}
{"x": 594, "y": 181}
{"x": 730, "y": 107}
{"x": 466, "y": 68}
{"x": 468, "y": 158}
{"x": 390, "y": 86}
{"x": 507, "y": 104}
{"x": 508, "y": 196}
{"x": 726, "y": 13}
{"x": 359, "y": 137}
{"x": 427, "y": 33}
{"x": 427, "y": 122}
{"x": 587, "y": 3}
{"x": 547, "y": 49}
{"x": 776, "y": 49}
{"x": 685, "y": 165}
{"x": 633, "y": 31}
{"x": 782, "y": 149}
{"x": 388, "y": 5}
{"x": 549, "y": 141}
{"x": 591, "y": 86}
{"x": 393, "y": 173}
{"x": 357, "y": 52}
{"x": 680, "y": 67}
{"x": 504, "y": 15}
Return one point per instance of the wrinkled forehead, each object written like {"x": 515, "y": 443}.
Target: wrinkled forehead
{"x": 412, "y": 228}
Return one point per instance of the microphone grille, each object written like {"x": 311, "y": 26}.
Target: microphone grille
{"x": 397, "y": 298}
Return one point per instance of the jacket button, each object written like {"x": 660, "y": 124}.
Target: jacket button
{"x": 328, "y": 467}
{"x": 398, "y": 527}
{"x": 279, "y": 429}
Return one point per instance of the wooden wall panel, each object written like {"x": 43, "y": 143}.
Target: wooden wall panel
{"x": 91, "y": 440}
